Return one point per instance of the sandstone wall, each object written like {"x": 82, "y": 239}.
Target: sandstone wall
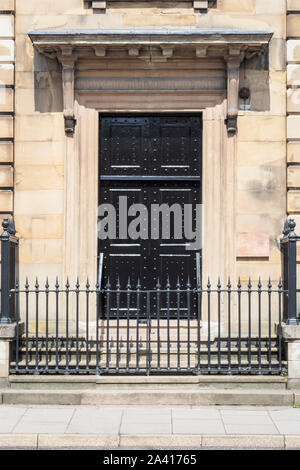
{"x": 7, "y": 105}
{"x": 293, "y": 115}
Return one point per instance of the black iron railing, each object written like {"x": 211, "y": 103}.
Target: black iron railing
{"x": 84, "y": 330}
{"x": 216, "y": 328}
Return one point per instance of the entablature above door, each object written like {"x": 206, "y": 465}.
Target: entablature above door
{"x": 69, "y": 46}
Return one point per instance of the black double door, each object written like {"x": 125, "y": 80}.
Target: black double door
{"x": 148, "y": 164}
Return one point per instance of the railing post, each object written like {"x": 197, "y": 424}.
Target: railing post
{"x": 289, "y": 251}
{"x": 10, "y": 326}
{"x": 9, "y": 245}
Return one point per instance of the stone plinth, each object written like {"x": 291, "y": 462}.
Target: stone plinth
{"x": 7, "y": 336}
{"x": 291, "y": 336}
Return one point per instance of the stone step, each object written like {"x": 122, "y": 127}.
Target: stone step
{"x": 140, "y": 396}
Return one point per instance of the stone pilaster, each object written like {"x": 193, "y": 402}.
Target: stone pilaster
{"x": 293, "y": 107}
{"x": 7, "y": 9}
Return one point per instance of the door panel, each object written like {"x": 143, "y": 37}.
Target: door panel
{"x": 153, "y": 146}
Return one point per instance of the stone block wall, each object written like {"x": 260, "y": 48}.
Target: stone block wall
{"x": 261, "y": 146}
{"x": 293, "y": 109}
{"x": 7, "y": 105}
{"x": 293, "y": 116}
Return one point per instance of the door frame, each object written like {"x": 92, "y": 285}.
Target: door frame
{"x": 81, "y": 171}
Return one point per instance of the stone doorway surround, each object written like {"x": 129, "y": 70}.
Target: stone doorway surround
{"x": 150, "y": 71}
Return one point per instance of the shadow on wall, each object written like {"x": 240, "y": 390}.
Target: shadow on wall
{"x": 254, "y": 74}
{"x": 48, "y": 94}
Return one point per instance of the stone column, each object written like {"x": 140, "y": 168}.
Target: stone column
{"x": 291, "y": 336}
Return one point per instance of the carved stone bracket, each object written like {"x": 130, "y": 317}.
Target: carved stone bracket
{"x": 233, "y": 59}
{"x": 68, "y": 61}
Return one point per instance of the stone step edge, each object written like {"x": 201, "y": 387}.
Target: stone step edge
{"x": 147, "y": 441}
{"x": 202, "y": 397}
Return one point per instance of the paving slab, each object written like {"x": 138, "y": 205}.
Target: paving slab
{"x": 203, "y": 426}
{"x": 251, "y": 429}
{"x": 9, "y": 418}
{"x": 197, "y": 414}
{"x": 142, "y": 417}
{"x": 288, "y": 427}
{"x": 45, "y": 421}
{"x": 256, "y": 420}
{"x": 292, "y": 414}
{"x": 98, "y": 421}
{"x": 146, "y": 428}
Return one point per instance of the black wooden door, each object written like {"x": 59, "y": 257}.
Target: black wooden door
{"x": 151, "y": 161}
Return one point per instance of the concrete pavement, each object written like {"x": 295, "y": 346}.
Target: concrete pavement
{"x": 110, "y": 427}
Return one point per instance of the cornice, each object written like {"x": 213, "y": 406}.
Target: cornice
{"x": 210, "y": 37}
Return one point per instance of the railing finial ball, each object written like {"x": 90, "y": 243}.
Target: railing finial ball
{"x": 5, "y": 224}
{"x": 292, "y": 225}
